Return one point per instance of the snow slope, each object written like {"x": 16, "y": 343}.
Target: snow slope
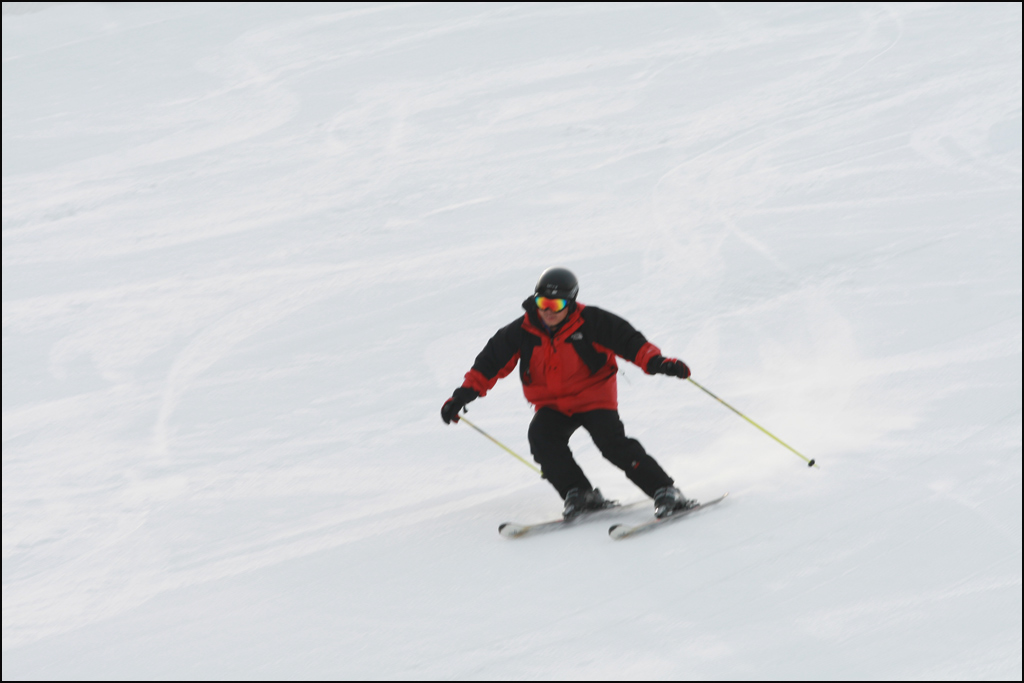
{"x": 248, "y": 251}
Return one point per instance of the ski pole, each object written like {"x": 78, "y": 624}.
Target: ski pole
{"x": 509, "y": 450}
{"x": 810, "y": 463}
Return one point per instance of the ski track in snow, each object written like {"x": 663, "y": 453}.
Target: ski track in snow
{"x": 247, "y": 253}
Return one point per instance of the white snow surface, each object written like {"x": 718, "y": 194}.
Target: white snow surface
{"x": 249, "y": 250}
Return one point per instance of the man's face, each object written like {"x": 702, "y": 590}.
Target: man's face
{"x": 550, "y": 318}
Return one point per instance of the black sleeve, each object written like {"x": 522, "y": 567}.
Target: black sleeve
{"x": 499, "y": 349}
{"x": 612, "y": 332}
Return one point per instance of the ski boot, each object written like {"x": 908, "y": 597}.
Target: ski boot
{"x": 578, "y": 501}
{"x": 670, "y": 500}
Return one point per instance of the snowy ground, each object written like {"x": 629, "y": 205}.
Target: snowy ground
{"x": 248, "y": 251}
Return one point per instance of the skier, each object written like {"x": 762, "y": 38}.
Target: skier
{"x": 566, "y": 355}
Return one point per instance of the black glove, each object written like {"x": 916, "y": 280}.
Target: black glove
{"x": 460, "y": 397}
{"x": 668, "y": 366}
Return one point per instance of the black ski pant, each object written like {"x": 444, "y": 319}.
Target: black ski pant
{"x": 549, "y": 442}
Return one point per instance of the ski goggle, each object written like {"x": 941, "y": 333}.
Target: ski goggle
{"x": 553, "y": 305}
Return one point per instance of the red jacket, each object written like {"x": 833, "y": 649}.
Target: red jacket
{"x": 572, "y": 370}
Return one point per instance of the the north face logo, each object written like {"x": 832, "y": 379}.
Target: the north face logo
{"x": 578, "y": 336}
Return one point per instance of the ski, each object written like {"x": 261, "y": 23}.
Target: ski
{"x": 516, "y": 530}
{"x": 619, "y": 531}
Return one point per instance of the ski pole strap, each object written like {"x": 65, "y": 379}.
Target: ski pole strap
{"x": 507, "y": 449}
{"x": 810, "y": 462}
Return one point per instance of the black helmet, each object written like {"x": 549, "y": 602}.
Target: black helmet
{"x": 557, "y": 283}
